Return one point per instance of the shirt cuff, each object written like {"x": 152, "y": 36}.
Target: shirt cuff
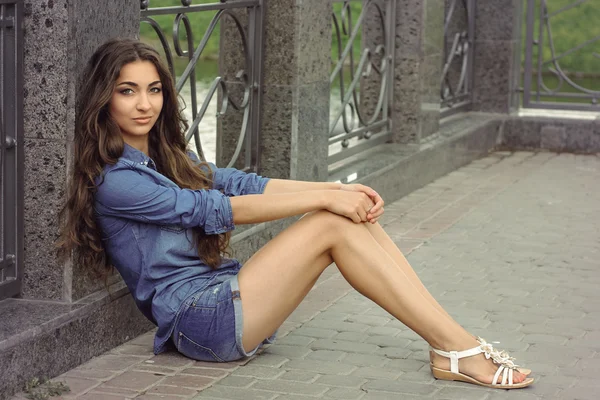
{"x": 220, "y": 219}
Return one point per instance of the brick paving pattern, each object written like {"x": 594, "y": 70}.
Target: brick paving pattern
{"x": 509, "y": 245}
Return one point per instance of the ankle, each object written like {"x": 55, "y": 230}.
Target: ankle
{"x": 455, "y": 345}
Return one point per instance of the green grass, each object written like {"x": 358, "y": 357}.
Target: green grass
{"x": 43, "y": 389}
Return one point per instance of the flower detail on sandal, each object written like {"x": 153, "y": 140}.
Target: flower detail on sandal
{"x": 498, "y": 356}
{"x": 501, "y": 355}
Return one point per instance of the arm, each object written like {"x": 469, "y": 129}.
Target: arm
{"x": 288, "y": 186}
{"x": 128, "y": 193}
{"x": 276, "y": 186}
{"x": 267, "y": 207}
{"x": 233, "y": 182}
{"x": 236, "y": 183}
{"x": 256, "y": 208}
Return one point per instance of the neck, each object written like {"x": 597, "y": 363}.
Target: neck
{"x": 139, "y": 143}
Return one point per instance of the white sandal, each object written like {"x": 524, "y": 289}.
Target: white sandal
{"x": 505, "y": 363}
{"x": 503, "y": 354}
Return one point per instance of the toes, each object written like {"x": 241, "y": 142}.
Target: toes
{"x": 518, "y": 377}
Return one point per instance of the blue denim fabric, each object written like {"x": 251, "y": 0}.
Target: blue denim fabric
{"x": 146, "y": 220}
{"x": 209, "y": 325}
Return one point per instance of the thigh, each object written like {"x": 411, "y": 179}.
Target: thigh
{"x": 276, "y": 279}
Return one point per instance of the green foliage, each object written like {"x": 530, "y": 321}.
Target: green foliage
{"x": 42, "y": 389}
{"x": 199, "y": 22}
{"x": 569, "y": 29}
{"x": 354, "y": 12}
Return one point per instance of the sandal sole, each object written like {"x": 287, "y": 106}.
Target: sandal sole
{"x": 445, "y": 375}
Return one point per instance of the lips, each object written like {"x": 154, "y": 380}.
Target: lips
{"x": 143, "y": 120}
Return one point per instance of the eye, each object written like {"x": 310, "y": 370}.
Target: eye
{"x": 126, "y": 91}
{"x": 156, "y": 90}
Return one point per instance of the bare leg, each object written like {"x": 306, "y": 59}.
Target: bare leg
{"x": 390, "y": 247}
{"x": 276, "y": 279}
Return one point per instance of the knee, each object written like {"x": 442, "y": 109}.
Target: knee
{"x": 326, "y": 222}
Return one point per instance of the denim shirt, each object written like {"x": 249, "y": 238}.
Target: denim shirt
{"x": 146, "y": 223}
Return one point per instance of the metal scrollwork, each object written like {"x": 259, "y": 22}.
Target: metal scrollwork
{"x": 185, "y": 47}
{"x": 565, "y": 87}
{"x": 458, "y": 55}
{"x": 353, "y": 118}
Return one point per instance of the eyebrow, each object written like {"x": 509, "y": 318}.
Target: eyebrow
{"x": 136, "y": 85}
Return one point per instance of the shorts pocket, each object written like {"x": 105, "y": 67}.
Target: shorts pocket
{"x": 191, "y": 349}
{"x": 198, "y": 329}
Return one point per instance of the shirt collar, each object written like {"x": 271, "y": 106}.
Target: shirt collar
{"x": 137, "y": 156}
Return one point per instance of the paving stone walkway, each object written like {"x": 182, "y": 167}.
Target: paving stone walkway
{"x": 509, "y": 245}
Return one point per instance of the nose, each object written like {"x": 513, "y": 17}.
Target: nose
{"x": 143, "y": 103}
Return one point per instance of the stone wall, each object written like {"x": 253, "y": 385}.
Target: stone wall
{"x": 60, "y": 36}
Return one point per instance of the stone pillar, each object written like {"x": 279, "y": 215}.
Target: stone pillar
{"x": 295, "y": 90}
{"x": 431, "y": 66}
{"x": 60, "y": 35}
{"x": 419, "y": 34}
{"x": 497, "y": 55}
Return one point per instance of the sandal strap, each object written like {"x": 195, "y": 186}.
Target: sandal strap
{"x": 454, "y": 356}
{"x": 507, "y": 376}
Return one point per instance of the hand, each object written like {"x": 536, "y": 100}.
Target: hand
{"x": 377, "y": 210}
{"x": 351, "y": 204}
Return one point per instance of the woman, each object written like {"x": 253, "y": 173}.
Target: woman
{"x": 139, "y": 201}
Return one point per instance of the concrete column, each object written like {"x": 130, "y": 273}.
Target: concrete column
{"x": 419, "y": 32}
{"x": 60, "y": 35}
{"x": 497, "y": 55}
{"x": 295, "y": 90}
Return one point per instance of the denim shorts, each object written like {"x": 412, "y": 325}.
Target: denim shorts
{"x": 209, "y": 324}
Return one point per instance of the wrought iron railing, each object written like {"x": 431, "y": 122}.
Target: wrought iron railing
{"x": 359, "y": 121}
{"x": 546, "y": 82}
{"x": 11, "y": 147}
{"x": 457, "y": 75}
{"x": 249, "y": 26}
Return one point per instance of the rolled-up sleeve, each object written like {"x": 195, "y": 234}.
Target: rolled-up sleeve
{"x": 129, "y": 194}
{"x": 234, "y": 182}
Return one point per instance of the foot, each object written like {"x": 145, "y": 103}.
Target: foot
{"x": 524, "y": 371}
{"x": 477, "y": 367}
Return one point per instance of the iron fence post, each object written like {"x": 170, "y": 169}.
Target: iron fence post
{"x": 11, "y": 147}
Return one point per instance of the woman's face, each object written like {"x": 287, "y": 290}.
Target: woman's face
{"x": 137, "y": 100}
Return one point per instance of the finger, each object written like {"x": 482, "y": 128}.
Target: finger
{"x": 356, "y": 218}
{"x": 362, "y": 214}
{"x": 374, "y": 217}
{"x": 377, "y": 213}
{"x": 366, "y": 203}
{"x": 378, "y": 203}
{"x": 363, "y": 218}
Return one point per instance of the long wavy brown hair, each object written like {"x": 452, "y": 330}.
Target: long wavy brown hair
{"x": 98, "y": 142}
